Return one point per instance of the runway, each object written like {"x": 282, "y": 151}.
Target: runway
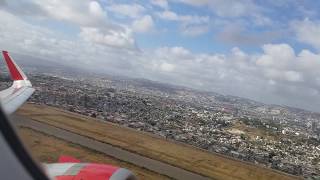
{"x": 108, "y": 149}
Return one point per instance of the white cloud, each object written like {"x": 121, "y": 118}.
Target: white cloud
{"x": 191, "y": 25}
{"x": 38, "y": 41}
{"x": 84, "y": 13}
{"x": 90, "y": 18}
{"x": 96, "y": 10}
{"x": 168, "y": 15}
{"x": 278, "y": 75}
{"x": 308, "y": 61}
{"x": 144, "y": 24}
{"x": 189, "y": 19}
{"x": 161, "y": 3}
{"x": 277, "y": 56}
{"x": 180, "y": 51}
{"x": 307, "y": 32}
{"x": 293, "y": 76}
{"x": 129, "y": 10}
{"x": 167, "y": 67}
{"x": 170, "y": 52}
{"x": 110, "y": 38}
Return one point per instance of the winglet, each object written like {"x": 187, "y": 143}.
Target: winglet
{"x": 13, "y": 97}
{"x": 15, "y": 72}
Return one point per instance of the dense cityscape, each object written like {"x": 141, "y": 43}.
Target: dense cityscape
{"x": 279, "y": 137}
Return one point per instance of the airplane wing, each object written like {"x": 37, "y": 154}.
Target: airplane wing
{"x": 21, "y": 89}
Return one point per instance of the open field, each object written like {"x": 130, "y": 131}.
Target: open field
{"x": 177, "y": 154}
{"x": 47, "y": 149}
{"x": 251, "y": 132}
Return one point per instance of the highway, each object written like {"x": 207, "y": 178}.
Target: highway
{"x": 108, "y": 149}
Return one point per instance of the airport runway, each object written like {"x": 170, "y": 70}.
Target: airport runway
{"x": 118, "y": 153}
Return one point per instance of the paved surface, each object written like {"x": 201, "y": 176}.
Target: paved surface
{"x": 121, "y": 154}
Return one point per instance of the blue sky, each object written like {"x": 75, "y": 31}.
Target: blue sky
{"x": 266, "y": 50}
{"x": 279, "y": 15}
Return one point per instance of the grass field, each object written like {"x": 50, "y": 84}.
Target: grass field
{"x": 181, "y": 155}
{"x": 47, "y": 149}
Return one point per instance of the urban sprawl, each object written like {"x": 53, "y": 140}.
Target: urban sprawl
{"x": 279, "y": 137}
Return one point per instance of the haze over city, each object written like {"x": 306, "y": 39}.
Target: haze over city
{"x": 267, "y": 52}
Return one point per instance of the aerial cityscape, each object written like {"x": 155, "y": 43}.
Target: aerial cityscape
{"x": 231, "y": 81}
{"x": 278, "y": 137}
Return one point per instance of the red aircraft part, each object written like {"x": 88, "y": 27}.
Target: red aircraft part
{"x": 69, "y": 168}
{"x": 14, "y": 72}
{"x": 90, "y": 172}
{"x": 68, "y": 159}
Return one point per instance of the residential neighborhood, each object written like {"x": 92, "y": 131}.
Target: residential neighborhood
{"x": 278, "y": 137}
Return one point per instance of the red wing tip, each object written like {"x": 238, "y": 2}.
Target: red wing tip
{"x": 5, "y": 52}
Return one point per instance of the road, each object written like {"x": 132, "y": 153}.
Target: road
{"x": 118, "y": 153}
